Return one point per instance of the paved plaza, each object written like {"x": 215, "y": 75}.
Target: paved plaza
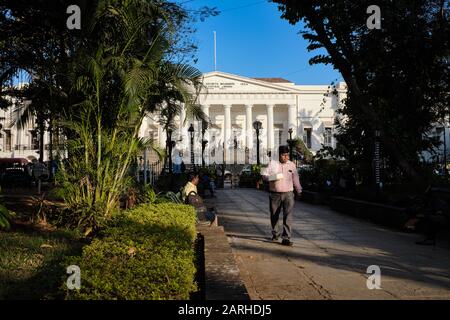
{"x": 330, "y": 256}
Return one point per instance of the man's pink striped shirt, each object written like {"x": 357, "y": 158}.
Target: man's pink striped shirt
{"x": 290, "y": 177}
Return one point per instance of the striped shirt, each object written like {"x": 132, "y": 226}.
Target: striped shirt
{"x": 290, "y": 178}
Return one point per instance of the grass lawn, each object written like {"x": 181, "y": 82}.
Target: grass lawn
{"x": 30, "y": 261}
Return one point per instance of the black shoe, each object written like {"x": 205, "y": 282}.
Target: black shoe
{"x": 287, "y": 242}
{"x": 275, "y": 238}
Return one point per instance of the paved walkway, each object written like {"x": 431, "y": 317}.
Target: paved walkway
{"x": 330, "y": 255}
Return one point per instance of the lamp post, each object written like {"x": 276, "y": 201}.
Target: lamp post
{"x": 377, "y": 159}
{"x": 290, "y": 143}
{"x": 257, "y": 125}
{"x": 235, "y": 145}
{"x": 169, "y": 147}
{"x": 191, "y": 133}
{"x": 204, "y": 142}
{"x": 445, "y": 148}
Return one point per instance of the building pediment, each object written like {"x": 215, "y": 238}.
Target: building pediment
{"x": 221, "y": 82}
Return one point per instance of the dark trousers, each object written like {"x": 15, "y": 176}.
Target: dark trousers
{"x": 278, "y": 201}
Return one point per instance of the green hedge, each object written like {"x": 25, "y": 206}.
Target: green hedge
{"x": 144, "y": 253}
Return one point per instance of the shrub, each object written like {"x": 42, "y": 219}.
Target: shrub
{"x": 5, "y": 217}
{"x": 144, "y": 253}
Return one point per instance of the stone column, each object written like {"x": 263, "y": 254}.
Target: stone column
{"x": 183, "y": 127}
{"x": 46, "y": 142}
{"x": 270, "y": 129}
{"x": 248, "y": 126}
{"x": 227, "y": 131}
{"x": 248, "y": 132}
{"x": 162, "y": 137}
{"x": 292, "y": 120}
{"x": 205, "y": 109}
{"x": 144, "y": 128}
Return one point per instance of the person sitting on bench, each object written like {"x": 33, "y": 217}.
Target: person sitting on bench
{"x": 190, "y": 196}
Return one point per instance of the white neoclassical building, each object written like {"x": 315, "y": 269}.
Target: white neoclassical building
{"x": 232, "y": 103}
{"x": 19, "y": 143}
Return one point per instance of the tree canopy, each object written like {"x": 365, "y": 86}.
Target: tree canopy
{"x": 397, "y": 76}
{"x": 96, "y": 84}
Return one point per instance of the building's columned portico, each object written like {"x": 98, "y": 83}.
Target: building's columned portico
{"x": 232, "y": 103}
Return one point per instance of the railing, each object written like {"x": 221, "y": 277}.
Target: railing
{"x": 154, "y": 171}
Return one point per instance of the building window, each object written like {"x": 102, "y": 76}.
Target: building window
{"x": 151, "y": 135}
{"x": 327, "y": 137}
{"x": 307, "y": 137}
{"x": 34, "y": 145}
{"x": 280, "y": 135}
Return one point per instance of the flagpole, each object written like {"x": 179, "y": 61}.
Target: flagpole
{"x": 215, "y": 55}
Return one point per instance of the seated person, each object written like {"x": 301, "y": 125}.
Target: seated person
{"x": 191, "y": 185}
{"x": 190, "y": 196}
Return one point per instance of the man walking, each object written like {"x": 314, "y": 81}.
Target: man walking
{"x": 283, "y": 179}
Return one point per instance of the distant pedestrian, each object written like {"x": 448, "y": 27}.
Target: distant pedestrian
{"x": 208, "y": 184}
{"x": 177, "y": 164}
{"x": 283, "y": 180}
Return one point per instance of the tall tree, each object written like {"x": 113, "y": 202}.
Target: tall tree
{"x": 397, "y": 76}
{"x": 121, "y": 74}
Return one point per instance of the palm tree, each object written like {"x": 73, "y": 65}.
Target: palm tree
{"x": 176, "y": 83}
{"x": 118, "y": 79}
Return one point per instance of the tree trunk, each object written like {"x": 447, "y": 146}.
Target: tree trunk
{"x": 374, "y": 121}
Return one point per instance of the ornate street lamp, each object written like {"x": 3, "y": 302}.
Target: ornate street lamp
{"x": 191, "y": 133}
{"x": 235, "y": 146}
{"x": 204, "y": 142}
{"x": 257, "y": 125}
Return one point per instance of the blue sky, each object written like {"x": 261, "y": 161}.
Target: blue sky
{"x": 253, "y": 41}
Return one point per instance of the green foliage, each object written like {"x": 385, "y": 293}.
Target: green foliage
{"x": 119, "y": 76}
{"x": 174, "y": 197}
{"x": 314, "y": 177}
{"x": 147, "y": 194}
{"x": 397, "y": 77}
{"x": 251, "y": 179}
{"x": 209, "y": 170}
{"x": 5, "y": 217}
{"x": 256, "y": 170}
{"x": 300, "y": 148}
{"x": 145, "y": 253}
